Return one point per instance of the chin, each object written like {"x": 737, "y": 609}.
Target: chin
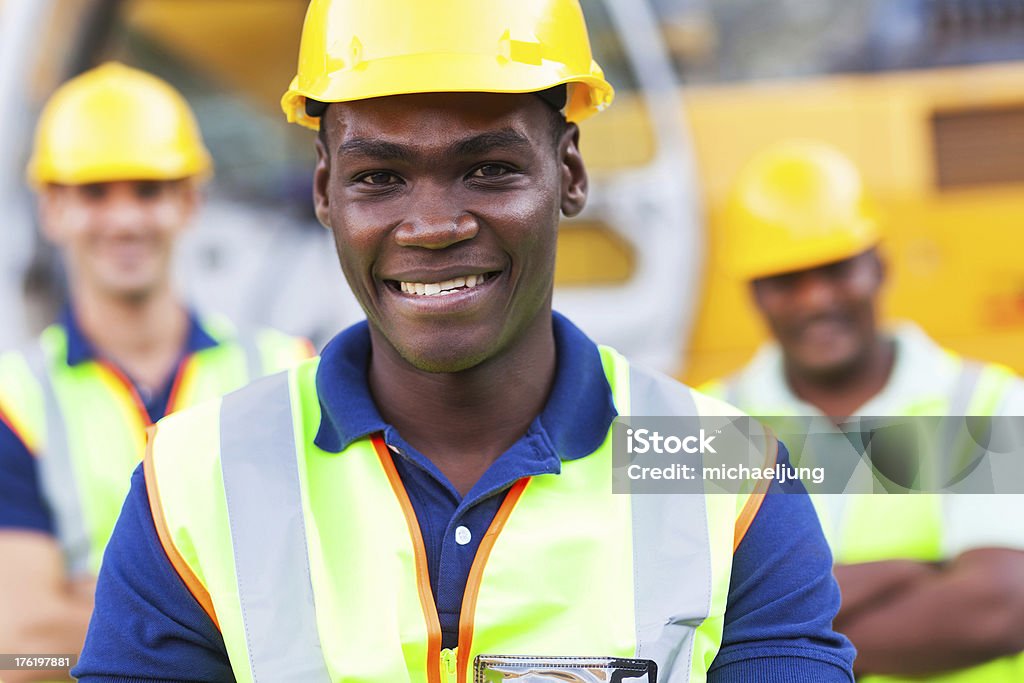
{"x": 130, "y": 291}
{"x": 443, "y": 351}
{"x": 442, "y": 359}
{"x": 830, "y": 367}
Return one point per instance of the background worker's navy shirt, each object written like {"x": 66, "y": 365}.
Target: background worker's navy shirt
{"x": 22, "y": 505}
{"x": 147, "y": 625}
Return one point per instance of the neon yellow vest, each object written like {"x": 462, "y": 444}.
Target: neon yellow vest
{"x": 864, "y": 530}
{"x": 86, "y": 425}
{"x": 312, "y": 565}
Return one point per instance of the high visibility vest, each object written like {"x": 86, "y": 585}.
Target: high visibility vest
{"x": 86, "y": 424}
{"x": 868, "y": 528}
{"x": 313, "y": 567}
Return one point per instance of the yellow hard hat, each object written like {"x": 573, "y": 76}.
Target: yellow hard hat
{"x": 355, "y": 50}
{"x": 116, "y": 123}
{"x": 797, "y": 205}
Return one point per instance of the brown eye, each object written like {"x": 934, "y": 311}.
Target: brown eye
{"x": 490, "y": 171}
{"x": 93, "y": 191}
{"x": 379, "y": 178}
{"x": 148, "y": 189}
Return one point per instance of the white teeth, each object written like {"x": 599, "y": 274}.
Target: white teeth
{"x": 441, "y": 288}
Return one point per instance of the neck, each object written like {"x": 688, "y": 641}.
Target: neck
{"x": 840, "y": 394}
{"x": 144, "y": 336}
{"x": 463, "y": 421}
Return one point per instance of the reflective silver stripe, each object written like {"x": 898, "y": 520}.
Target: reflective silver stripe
{"x": 264, "y": 501}
{"x": 56, "y": 472}
{"x": 963, "y": 390}
{"x": 732, "y": 392}
{"x": 671, "y": 550}
{"x": 249, "y": 341}
{"x": 956, "y": 450}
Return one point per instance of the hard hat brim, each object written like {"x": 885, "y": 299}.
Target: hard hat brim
{"x": 810, "y": 255}
{"x": 409, "y": 74}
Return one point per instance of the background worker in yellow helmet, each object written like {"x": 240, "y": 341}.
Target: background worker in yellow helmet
{"x": 933, "y": 585}
{"x": 435, "y": 491}
{"x": 117, "y": 163}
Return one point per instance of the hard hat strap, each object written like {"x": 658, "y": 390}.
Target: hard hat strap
{"x": 315, "y": 108}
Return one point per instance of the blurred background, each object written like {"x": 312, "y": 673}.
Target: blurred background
{"x": 926, "y": 96}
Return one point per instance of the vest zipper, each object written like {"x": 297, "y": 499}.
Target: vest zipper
{"x": 476, "y": 572}
{"x": 140, "y": 407}
{"x": 186, "y": 366}
{"x": 436, "y": 666}
{"x": 449, "y": 665}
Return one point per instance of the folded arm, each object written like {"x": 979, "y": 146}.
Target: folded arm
{"x": 911, "y": 618}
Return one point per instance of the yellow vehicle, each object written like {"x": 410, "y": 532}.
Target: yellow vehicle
{"x": 935, "y": 122}
{"x": 942, "y": 152}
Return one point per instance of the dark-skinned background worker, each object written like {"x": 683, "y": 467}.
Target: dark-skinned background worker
{"x": 447, "y": 489}
{"x": 117, "y": 164}
{"x": 933, "y": 585}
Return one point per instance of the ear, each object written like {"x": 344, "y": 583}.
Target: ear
{"x": 321, "y": 183}
{"x": 190, "y": 197}
{"x": 880, "y": 265}
{"x": 575, "y": 184}
{"x": 756, "y": 290}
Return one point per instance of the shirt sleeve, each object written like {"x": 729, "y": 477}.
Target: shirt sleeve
{"x": 146, "y": 625}
{"x": 782, "y": 599}
{"x": 22, "y": 505}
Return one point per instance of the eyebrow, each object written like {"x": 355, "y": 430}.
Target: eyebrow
{"x": 504, "y": 139}
{"x": 377, "y": 149}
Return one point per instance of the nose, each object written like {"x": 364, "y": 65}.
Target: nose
{"x": 438, "y": 223}
{"x": 814, "y": 291}
{"x": 123, "y": 212}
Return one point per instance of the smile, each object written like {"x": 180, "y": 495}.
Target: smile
{"x": 445, "y": 288}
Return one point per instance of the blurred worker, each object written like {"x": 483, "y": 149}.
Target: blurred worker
{"x": 933, "y": 585}
{"x": 448, "y": 492}
{"x": 117, "y": 164}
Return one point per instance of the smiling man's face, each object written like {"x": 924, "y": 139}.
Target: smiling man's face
{"x": 445, "y": 209}
{"x": 824, "y": 318}
{"x": 118, "y": 238}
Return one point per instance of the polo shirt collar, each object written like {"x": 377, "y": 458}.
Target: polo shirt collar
{"x": 81, "y": 350}
{"x": 576, "y": 417}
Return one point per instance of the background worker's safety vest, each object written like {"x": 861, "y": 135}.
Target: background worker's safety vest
{"x": 313, "y": 567}
{"x": 86, "y": 424}
{"x": 925, "y": 380}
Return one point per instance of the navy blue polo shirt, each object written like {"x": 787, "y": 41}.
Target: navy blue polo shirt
{"x": 147, "y": 626}
{"x": 22, "y": 505}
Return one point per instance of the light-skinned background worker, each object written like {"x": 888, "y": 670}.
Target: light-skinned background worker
{"x": 448, "y": 493}
{"x": 932, "y": 585}
{"x": 117, "y": 164}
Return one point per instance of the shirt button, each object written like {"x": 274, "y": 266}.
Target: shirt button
{"x": 463, "y": 536}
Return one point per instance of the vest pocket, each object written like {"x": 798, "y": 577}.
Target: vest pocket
{"x": 526, "y": 669}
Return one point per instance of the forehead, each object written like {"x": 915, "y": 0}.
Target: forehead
{"x": 435, "y": 120}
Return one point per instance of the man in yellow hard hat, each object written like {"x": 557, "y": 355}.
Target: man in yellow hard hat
{"x": 933, "y": 585}
{"x": 117, "y": 164}
{"x": 432, "y": 499}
